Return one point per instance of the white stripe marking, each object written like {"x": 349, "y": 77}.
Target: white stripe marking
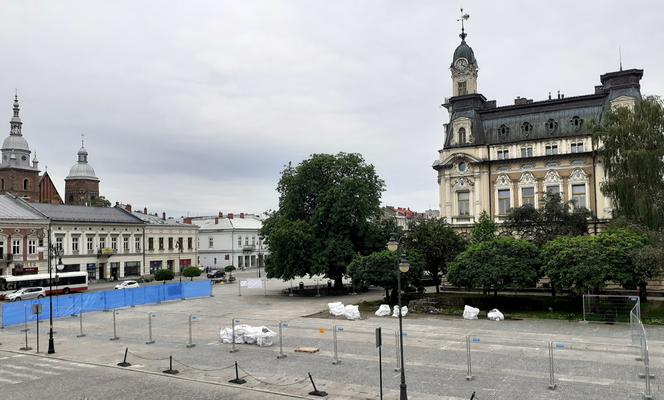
{"x": 9, "y": 381}
{"x": 20, "y": 375}
{"x": 54, "y": 366}
{"x": 57, "y": 362}
{"x": 30, "y": 369}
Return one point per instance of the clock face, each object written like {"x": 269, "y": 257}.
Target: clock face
{"x": 461, "y": 64}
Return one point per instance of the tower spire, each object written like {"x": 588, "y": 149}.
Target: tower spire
{"x": 462, "y": 18}
{"x": 620, "y": 56}
{"x": 15, "y": 122}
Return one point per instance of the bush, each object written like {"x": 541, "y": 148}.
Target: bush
{"x": 164, "y": 275}
{"x": 229, "y": 268}
{"x": 191, "y": 272}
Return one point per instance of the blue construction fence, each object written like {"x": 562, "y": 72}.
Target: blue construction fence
{"x": 67, "y": 305}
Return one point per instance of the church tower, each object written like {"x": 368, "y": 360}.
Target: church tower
{"x": 82, "y": 184}
{"x": 464, "y": 65}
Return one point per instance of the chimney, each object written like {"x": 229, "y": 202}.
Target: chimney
{"x": 216, "y": 220}
{"x": 241, "y": 215}
{"x": 549, "y": 95}
{"x": 230, "y": 215}
{"x": 145, "y": 210}
{"x": 521, "y": 100}
{"x": 187, "y": 220}
{"x": 128, "y": 207}
{"x": 559, "y": 95}
{"x": 163, "y": 216}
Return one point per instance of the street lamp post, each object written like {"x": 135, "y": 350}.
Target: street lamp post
{"x": 52, "y": 251}
{"x": 178, "y": 245}
{"x": 393, "y": 246}
{"x": 260, "y": 253}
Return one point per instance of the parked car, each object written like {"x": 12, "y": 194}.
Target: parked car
{"x": 26, "y": 294}
{"x": 127, "y": 285}
{"x": 216, "y": 274}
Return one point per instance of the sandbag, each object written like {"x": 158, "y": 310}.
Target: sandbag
{"x": 352, "y": 312}
{"x": 404, "y": 311}
{"x": 470, "y": 312}
{"x": 495, "y": 315}
{"x": 383, "y": 310}
{"x": 337, "y": 309}
{"x": 259, "y": 335}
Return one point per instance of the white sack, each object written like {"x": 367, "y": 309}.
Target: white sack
{"x": 404, "y": 311}
{"x": 226, "y": 334}
{"x": 383, "y": 310}
{"x": 265, "y": 337}
{"x": 337, "y": 309}
{"x": 259, "y": 335}
{"x": 352, "y": 312}
{"x": 495, "y": 315}
{"x": 470, "y": 312}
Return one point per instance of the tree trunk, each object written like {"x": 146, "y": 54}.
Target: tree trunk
{"x": 437, "y": 280}
{"x": 553, "y": 292}
{"x": 643, "y": 292}
{"x": 495, "y": 292}
{"x": 387, "y": 295}
{"x": 338, "y": 282}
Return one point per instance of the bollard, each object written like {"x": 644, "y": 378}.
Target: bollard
{"x": 124, "y": 362}
{"x": 237, "y": 380}
{"x": 115, "y": 331}
{"x": 469, "y": 376}
{"x": 316, "y": 392}
{"x": 191, "y": 343}
{"x": 396, "y": 345}
{"x": 170, "y": 369}
{"x": 233, "y": 348}
{"x": 281, "y": 343}
{"x": 552, "y": 379}
{"x": 80, "y": 323}
{"x": 150, "y": 341}
{"x": 336, "y": 360}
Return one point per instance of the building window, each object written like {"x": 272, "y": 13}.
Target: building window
{"x": 2, "y": 184}
{"x": 551, "y": 149}
{"x": 553, "y": 189}
{"x": 32, "y": 246}
{"x": 114, "y": 243}
{"x": 463, "y": 200}
{"x": 462, "y": 166}
{"x": 239, "y": 262}
{"x": 526, "y": 128}
{"x": 170, "y": 243}
{"x": 462, "y": 135}
{"x": 503, "y": 201}
{"x": 125, "y": 243}
{"x": 161, "y": 243}
{"x": 579, "y": 195}
{"x": 190, "y": 243}
{"x": 102, "y": 243}
{"x": 577, "y": 147}
{"x": 25, "y": 184}
{"x": 239, "y": 240}
{"x": 74, "y": 244}
{"x": 463, "y": 89}
{"x": 215, "y": 261}
{"x": 150, "y": 243}
{"x": 210, "y": 241}
{"x": 503, "y": 154}
{"x": 137, "y": 244}
{"x": 253, "y": 240}
{"x": 90, "y": 241}
{"x": 16, "y": 246}
{"x": 528, "y": 196}
{"x": 577, "y": 122}
{"x": 246, "y": 241}
{"x": 503, "y": 131}
{"x": 227, "y": 257}
{"x": 526, "y": 152}
{"x": 58, "y": 243}
{"x": 551, "y": 126}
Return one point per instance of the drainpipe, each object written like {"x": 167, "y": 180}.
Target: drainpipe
{"x": 595, "y": 189}
{"x": 488, "y": 152}
{"x": 145, "y": 239}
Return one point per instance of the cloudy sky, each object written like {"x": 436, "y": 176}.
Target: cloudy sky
{"x": 194, "y": 107}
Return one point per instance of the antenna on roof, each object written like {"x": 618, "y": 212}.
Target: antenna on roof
{"x": 620, "y": 56}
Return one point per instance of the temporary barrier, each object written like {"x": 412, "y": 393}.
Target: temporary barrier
{"x": 68, "y": 305}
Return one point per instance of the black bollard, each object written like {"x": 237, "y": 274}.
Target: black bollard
{"x": 170, "y": 369}
{"x": 237, "y": 380}
{"x": 124, "y": 362}
{"x": 316, "y": 392}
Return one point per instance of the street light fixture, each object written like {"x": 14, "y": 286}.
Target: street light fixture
{"x": 52, "y": 251}
{"x": 404, "y": 266}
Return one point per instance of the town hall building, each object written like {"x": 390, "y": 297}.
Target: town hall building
{"x": 495, "y": 158}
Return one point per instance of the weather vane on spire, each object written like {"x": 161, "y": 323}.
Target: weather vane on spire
{"x": 82, "y": 139}
{"x": 462, "y": 18}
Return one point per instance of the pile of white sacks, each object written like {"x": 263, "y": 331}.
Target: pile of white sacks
{"x": 261, "y": 336}
{"x": 472, "y": 312}
{"x": 384, "y": 311}
{"x": 349, "y": 311}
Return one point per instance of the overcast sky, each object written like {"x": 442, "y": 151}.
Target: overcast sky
{"x": 195, "y": 108}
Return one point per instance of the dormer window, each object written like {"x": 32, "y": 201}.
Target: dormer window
{"x": 576, "y": 122}
{"x": 503, "y": 131}
{"x": 462, "y": 135}
{"x": 551, "y": 126}
{"x": 526, "y": 128}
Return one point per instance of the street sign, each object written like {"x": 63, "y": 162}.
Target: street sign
{"x": 36, "y": 309}
{"x": 379, "y": 337}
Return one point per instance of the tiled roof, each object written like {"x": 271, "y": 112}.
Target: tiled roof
{"x": 232, "y": 223}
{"x": 85, "y": 214}
{"x": 156, "y": 220}
{"x": 12, "y": 208}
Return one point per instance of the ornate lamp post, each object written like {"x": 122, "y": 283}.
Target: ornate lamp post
{"x": 404, "y": 266}
{"x": 52, "y": 251}
{"x": 178, "y": 245}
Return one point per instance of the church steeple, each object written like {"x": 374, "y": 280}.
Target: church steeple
{"x": 15, "y": 123}
{"x": 464, "y": 65}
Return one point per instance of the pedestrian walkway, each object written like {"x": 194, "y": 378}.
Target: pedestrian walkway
{"x": 19, "y": 368}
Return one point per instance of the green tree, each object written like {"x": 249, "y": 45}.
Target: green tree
{"x": 541, "y": 225}
{"x": 380, "y": 269}
{"x": 575, "y": 264}
{"x": 437, "y": 242}
{"x": 631, "y": 144}
{"x": 328, "y": 203}
{"x": 503, "y": 263}
{"x": 484, "y": 230}
{"x": 229, "y": 269}
{"x": 622, "y": 253}
{"x": 191, "y": 272}
{"x": 164, "y": 275}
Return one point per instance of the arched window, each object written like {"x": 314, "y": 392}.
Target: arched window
{"x": 25, "y": 184}
{"x": 503, "y": 131}
{"x": 462, "y": 135}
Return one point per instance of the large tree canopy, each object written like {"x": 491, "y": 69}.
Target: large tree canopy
{"x": 380, "y": 269}
{"x": 328, "y": 208}
{"x": 631, "y": 145}
{"x": 437, "y": 242}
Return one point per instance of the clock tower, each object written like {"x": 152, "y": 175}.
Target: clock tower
{"x": 464, "y": 66}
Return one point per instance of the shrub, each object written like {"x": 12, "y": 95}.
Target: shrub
{"x": 191, "y": 272}
{"x": 164, "y": 275}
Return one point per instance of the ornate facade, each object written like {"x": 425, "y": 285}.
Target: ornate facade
{"x": 497, "y": 158}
